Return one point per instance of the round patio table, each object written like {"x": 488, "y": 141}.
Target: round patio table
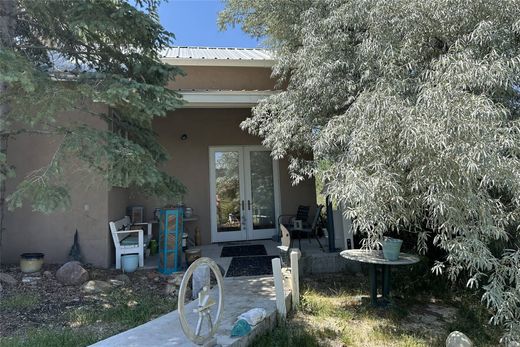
{"x": 375, "y": 259}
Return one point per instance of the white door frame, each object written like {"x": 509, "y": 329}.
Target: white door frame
{"x": 265, "y": 233}
{"x": 228, "y": 235}
{"x": 246, "y": 232}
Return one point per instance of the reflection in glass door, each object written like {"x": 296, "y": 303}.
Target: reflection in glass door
{"x": 260, "y": 193}
{"x": 227, "y": 191}
{"x": 244, "y": 186}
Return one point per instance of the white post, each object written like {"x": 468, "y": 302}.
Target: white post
{"x": 295, "y": 277}
{"x": 278, "y": 286}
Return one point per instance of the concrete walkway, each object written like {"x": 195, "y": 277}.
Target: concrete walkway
{"x": 240, "y": 295}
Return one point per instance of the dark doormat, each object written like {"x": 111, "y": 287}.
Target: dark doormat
{"x": 250, "y": 266}
{"x": 243, "y": 251}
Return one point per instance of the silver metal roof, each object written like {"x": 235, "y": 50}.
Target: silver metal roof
{"x": 218, "y": 53}
{"x": 218, "y": 56}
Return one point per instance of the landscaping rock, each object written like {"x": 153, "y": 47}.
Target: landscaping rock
{"x": 123, "y": 278}
{"x": 458, "y": 339}
{"x": 171, "y": 289}
{"x": 72, "y": 273}
{"x": 152, "y": 274}
{"x": 116, "y": 283}
{"x": 30, "y": 279}
{"x": 6, "y": 278}
{"x": 96, "y": 286}
{"x": 47, "y": 274}
{"x": 176, "y": 279}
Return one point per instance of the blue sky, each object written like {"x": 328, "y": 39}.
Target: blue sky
{"x": 194, "y": 23}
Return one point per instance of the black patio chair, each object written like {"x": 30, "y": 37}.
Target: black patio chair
{"x": 309, "y": 231}
{"x": 289, "y": 220}
{"x": 298, "y": 225}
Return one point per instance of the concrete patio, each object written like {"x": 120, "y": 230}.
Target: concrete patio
{"x": 166, "y": 330}
{"x": 314, "y": 260}
{"x": 240, "y": 295}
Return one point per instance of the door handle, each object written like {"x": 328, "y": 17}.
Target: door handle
{"x": 243, "y": 205}
{"x": 249, "y": 205}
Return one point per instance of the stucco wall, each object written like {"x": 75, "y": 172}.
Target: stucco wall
{"x": 221, "y": 77}
{"x": 28, "y": 231}
{"x": 93, "y": 204}
{"x": 190, "y": 160}
{"x": 117, "y": 202}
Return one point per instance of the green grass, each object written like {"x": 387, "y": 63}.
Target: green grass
{"x": 19, "y": 301}
{"x": 286, "y": 335}
{"x": 50, "y": 338}
{"x": 118, "y": 310}
{"x": 335, "y": 310}
{"x": 124, "y": 307}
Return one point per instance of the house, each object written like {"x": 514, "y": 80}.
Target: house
{"x": 234, "y": 187}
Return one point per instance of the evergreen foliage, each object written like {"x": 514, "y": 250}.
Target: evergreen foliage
{"x": 65, "y": 58}
{"x": 411, "y": 111}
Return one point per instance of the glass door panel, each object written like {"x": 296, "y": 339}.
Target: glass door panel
{"x": 227, "y": 183}
{"x": 261, "y": 193}
{"x": 228, "y": 218}
{"x": 262, "y": 190}
{"x": 244, "y": 193}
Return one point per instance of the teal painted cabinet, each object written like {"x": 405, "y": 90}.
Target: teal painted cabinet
{"x": 170, "y": 240}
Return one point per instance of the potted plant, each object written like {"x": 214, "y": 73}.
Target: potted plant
{"x": 31, "y": 262}
{"x": 391, "y": 248}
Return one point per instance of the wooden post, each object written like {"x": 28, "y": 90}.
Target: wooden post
{"x": 295, "y": 277}
{"x": 279, "y": 289}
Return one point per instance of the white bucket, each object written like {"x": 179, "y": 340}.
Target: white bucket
{"x": 130, "y": 262}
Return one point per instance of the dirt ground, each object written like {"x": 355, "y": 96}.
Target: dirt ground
{"x": 39, "y": 301}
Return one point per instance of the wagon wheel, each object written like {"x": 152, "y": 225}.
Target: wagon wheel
{"x": 204, "y": 305}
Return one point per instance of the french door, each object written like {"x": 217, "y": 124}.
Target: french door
{"x": 244, "y": 193}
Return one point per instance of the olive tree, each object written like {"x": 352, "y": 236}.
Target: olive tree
{"x": 411, "y": 111}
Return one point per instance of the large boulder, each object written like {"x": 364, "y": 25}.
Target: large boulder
{"x": 6, "y": 278}
{"x": 72, "y": 274}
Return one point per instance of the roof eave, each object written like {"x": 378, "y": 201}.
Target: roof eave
{"x": 223, "y": 99}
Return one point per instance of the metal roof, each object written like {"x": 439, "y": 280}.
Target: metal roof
{"x": 223, "y": 56}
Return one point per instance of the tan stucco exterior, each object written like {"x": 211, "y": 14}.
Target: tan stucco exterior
{"x": 28, "y": 231}
{"x": 94, "y": 204}
{"x": 190, "y": 160}
{"x": 224, "y": 77}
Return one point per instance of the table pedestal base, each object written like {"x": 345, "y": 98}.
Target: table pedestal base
{"x": 385, "y": 276}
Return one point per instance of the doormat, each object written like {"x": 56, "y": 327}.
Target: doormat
{"x": 233, "y": 243}
{"x": 250, "y": 266}
{"x": 243, "y": 251}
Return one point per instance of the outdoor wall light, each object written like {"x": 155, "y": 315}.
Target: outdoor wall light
{"x": 184, "y": 137}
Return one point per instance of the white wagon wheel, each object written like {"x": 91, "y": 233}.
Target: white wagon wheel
{"x": 205, "y": 303}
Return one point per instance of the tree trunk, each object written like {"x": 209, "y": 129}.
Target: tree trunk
{"x": 7, "y": 24}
